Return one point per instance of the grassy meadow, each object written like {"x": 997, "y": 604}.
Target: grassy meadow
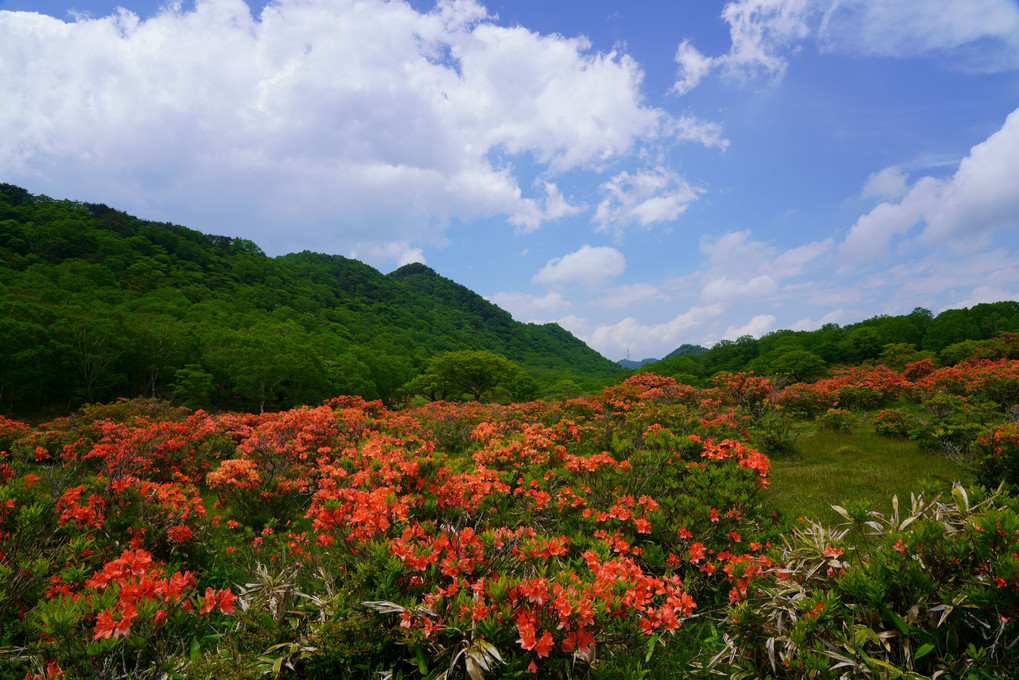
{"x": 856, "y": 467}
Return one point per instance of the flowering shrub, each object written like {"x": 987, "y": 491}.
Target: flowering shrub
{"x": 997, "y": 456}
{"x": 950, "y": 423}
{"x": 836, "y": 420}
{"x": 603, "y": 536}
{"x": 534, "y": 537}
{"x": 891, "y": 422}
{"x": 127, "y": 617}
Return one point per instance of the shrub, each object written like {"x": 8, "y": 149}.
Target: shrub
{"x": 934, "y": 593}
{"x": 891, "y": 422}
{"x": 951, "y": 423}
{"x": 836, "y": 420}
{"x": 996, "y": 456}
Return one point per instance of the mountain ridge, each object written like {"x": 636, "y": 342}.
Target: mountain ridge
{"x": 89, "y": 292}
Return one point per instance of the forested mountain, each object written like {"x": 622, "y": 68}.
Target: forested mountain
{"x": 894, "y": 341}
{"x": 98, "y": 304}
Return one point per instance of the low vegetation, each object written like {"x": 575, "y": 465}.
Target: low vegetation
{"x": 642, "y": 532}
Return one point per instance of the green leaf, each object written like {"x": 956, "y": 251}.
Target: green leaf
{"x": 961, "y": 498}
{"x": 652, "y": 641}
{"x": 923, "y": 651}
{"x": 422, "y": 660}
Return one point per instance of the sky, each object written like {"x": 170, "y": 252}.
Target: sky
{"x": 645, "y": 174}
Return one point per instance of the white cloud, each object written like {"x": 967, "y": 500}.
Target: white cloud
{"x": 532, "y": 308}
{"x": 692, "y": 129}
{"x": 978, "y": 35}
{"x": 983, "y": 294}
{"x": 984, "y": 193}
{"x": 903, "y": 28}
{"x": 739, "y": 267}
{"x": 756, "y": 327}
{"x": 724, "y": 289}
{"x": 962, "y": 211}
{"x": 554, "y": 207}
{"x": 760, "y": 29}
{"x": 946, "y": 272}
{"x": 363, "y": 120}
{"x": 647, "y": 340}
{"x": 887, "y": 184}
{"x": 588, "y": 266}
{"x": 807, "y": 324}
{"x": 692, "y": 67}
{"x": 792, "y": 262}
{"x": 399, "y": 251}
{"x": 411, "y": 255}
{"x": 872, "y": 233}
{"x": 645, "y": 198}
{"x": 624, "y": 296}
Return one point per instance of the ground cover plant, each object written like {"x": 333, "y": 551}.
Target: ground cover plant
{"x": 628, "y": 534}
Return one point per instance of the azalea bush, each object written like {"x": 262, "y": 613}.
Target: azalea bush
{"x": 836, "y": 420}
{"x": 617, "y": 535}
{"x": 996, "y": 455}
{"x": 891, "y": 422}
{"x": 554, "y": 538}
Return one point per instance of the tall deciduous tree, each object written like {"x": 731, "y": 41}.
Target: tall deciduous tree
{"x": 475, "y": 372}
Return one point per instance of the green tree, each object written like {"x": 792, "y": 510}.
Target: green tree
{"x": 193, "y": 386}
{"x": 799, "y": 364}
{"x": 476, "y": 372}
{"x": 95, "y": 347}
{"x": 157, "y": 344}
{"x": 859, "y": 345}
{"x": 897, "y": 354}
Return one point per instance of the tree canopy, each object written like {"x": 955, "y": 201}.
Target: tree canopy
{"x": 97, "y": 304}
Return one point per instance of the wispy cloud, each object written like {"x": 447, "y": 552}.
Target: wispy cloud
{"x": 644, "y": 198}
{"x": 981, "y": 35}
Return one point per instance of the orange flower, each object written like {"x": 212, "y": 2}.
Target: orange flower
{"x": 104, "y": 625}
{"x": 526, "y": 630}
{"x": 544, "y": 644}
{"x": 179, "y": 534}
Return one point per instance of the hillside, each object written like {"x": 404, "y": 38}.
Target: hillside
{"x": 98, "y": 304}
{"x": 894, "y": 341}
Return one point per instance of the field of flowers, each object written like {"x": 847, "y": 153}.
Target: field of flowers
{"x": 621, "y": 535}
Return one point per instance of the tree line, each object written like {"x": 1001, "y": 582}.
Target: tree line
{"x": 801, "y": 356}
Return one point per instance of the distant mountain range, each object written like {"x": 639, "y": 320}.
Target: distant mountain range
{"x": 630, "y": 365}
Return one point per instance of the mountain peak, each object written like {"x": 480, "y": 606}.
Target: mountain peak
{"x": 412, "y": 269}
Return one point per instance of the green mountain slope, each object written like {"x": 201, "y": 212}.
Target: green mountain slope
{"x": 98, "y": 304}
{"x": 894, "y": 341}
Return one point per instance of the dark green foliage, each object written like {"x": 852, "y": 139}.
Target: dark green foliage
{"x": 894, "y": 341}
{"x": 452, "y": 375}
{"x": 97, "y": 304}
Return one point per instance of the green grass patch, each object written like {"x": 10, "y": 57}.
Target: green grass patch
{"x": 841, "y": 468}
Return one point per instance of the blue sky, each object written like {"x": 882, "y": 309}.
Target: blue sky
{"x": 646, "y": 174}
